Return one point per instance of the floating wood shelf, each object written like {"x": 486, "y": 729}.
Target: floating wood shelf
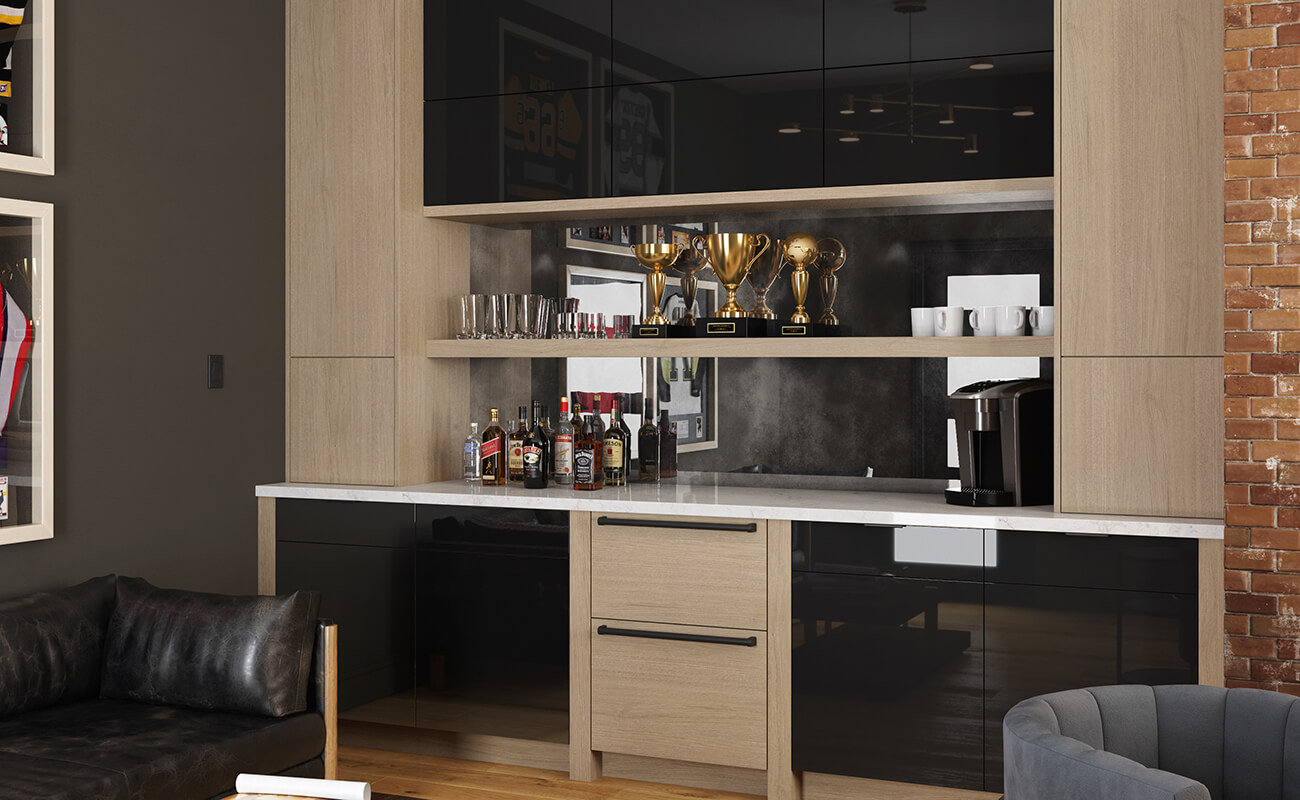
{"x": 846, "y": 347}
{"x": 948, "y": 196}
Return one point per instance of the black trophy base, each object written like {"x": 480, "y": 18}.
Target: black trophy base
{"x": 728, "y": 328}
{"x": 679, "y": 331}
{"x": 979, "y": 497}
{"x": 650, "y": 332}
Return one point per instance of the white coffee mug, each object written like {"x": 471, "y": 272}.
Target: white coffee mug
{"x": 948, "y": 320}
{"x": 923, "y": 322}
{"x": 982, "y": 320}
{"x": 1042, "y": 320}
{"x": 1009, "y": 320}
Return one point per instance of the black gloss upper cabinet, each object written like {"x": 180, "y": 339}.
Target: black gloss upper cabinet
{"x": 671, "y": 40}
{"x": 488, "y": 47}
{"x": 871, "y": 32}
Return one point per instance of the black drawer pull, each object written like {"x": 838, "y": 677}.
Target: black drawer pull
{"x": 739, "y": 641}
{"x": 745, "y": 527}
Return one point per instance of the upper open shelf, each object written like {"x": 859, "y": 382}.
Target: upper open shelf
{"x": 800, "y": 347}
{"x": 1011, "y": 194}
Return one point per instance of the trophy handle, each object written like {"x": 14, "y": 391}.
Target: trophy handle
{"x": 767, "y": 242}
{"x": 697, "y": 242}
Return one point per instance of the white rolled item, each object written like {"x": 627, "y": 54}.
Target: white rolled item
{"x": 302, "y": 787}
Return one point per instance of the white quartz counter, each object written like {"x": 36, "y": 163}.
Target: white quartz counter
{"x": 711, "y": 498}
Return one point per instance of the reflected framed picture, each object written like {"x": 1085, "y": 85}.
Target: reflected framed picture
{"x": 614, "y": 239}
{"x": 27, "y": 86}
{"x": 638, "y": 119}
{"x": 687, "y": 388}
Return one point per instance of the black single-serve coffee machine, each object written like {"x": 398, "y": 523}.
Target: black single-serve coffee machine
{"x": 1004, "y": 443}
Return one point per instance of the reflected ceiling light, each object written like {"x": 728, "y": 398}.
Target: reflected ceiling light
{"x": 850, "y": 137}
{"x": 877, "y": 104}
{"x": 981, "y": 63}
{"x": 793, "y": 127}
{"x": 1023, "y": 111}
{"x": 972, "y": 145}
{"x": 947, "y": 118}
{"x": 848, "y": 104}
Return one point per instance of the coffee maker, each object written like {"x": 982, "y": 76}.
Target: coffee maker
{"x": 1004, "y": 443}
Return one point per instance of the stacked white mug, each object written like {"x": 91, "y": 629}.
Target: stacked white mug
{"x": 1042, "y": 320}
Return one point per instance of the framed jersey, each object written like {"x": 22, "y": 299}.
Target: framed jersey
{"x": 27, "y": 86}
{"x": 638, "y": 123}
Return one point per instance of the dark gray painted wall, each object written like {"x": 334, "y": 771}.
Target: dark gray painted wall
{"x": 169, "y": 245}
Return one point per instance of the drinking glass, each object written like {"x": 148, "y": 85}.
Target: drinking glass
{"x": 466, "y": 329}
{"x": 496, "y": 322}
{"x": 478, "y": 307}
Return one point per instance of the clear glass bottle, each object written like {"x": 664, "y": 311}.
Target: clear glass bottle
{"x": 473, "y": 466}
{"x": 563, "y": 446}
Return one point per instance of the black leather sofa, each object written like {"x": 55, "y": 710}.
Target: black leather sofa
{"x": 118, "y": 690}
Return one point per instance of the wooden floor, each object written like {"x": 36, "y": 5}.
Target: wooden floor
{"x": 433, "y": 778}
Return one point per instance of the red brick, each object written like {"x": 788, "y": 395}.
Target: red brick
{"x": 1288, "y": 562}
{"x": 1235, "y": 147}
{"x": 1287, "y": 122}
{"x": 1248, "y": 515}
{"x": 1288, "y": 165}
{"x": 1288, "y": 387}
{"x": 1236, "y": 17}
{"x": 1242, "y": 38}
{"x": 1263, "y": 188}
{"x": 1275, "y": 276}
{"x": 1273, "y": 14}
{"x": 1248, "y": 212}
{"x": 1236, "y": 364}
{"x": 1236, "y": 493}
{"x": 1250, "y": 604}
{"x": 1236, "y": 103}
{"x": 1288, "y": 342}
{"x": 1288, "y": 34}
{"x": 1258, "y": 80}
{"x": 1283, "y": 451}
{"x": 1236, "y": 60}
{"x": 1289, "y": 604}
{"x": 1283, "y": 231}
{"x": 1274, "y": 671}
{"x": 1288, "y": 517}
{"x": 1236, "y": 451}
{"x": 1246, "y": 385}
{"x": 1273, "y": 538}
{"x": 1236, "y": 320}
{"x": 1268, "y": 57}
{"x": 1272, "y": 102}
{"x": 1239, "y": 684}
{"x": 1236, "y": 624}
{"x": 1252, "y": 647}
{"x": 1249, "y": 429}
{"x": 1273, "y": 583}
{"x": 1234, "y": 667}
{"x": 1288, "y": 475}
{"x": 1271, "y": 364}
{"x": 1247, "y": 472}
{"x": 1250, "y": 298}
{"x": 1237, "y": 580}
{"x": 1249, "y": 167}
{"x": 1236, "y": 537}
{"x": 1236, "y": 407}
{"x": 1288, "y": 648}
{"x": 1279, "y": 320}
{"x": 1279, "y": 627}
{"x": 1288, "y": 254}
{"x": 1249, "y": 560}
{"x": 1278, "y": 496}
{"x": 1248, "y": 342}
{"x": 1288, "y": 430}
{"x": 1288, "y": 298}
{"x": 1275, "y": 407}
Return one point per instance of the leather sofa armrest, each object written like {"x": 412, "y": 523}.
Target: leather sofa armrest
{"x": 322, "y": 693}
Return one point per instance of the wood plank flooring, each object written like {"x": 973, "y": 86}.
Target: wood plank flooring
{"x": 432, "y": 778}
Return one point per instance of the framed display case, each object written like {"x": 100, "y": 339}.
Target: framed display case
{"x": 26, "y": 371}
{"x": 27, "y": 87}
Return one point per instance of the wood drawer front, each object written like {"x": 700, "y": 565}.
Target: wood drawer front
{"x": 684, "y": 700}
{"x": 680, "y": 575}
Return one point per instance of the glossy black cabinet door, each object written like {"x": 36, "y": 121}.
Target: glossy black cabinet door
{"x": 1140, "y": 564}
{"x": 488, "y": 47}
{"x": 1041, "y": 639}
{"x": 359, "y": 557}
{"x": 888, "y": 677}
{"x": 939, "y": 121}
{"x": 715, "y": 135}
{"x": 671, "y": 40}
{"x": 867, "y": 33}
{"x": 903, "y": 552}
{"x": 532, "y": 146}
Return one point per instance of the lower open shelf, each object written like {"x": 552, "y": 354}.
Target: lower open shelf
{"x": 795, "y": 347}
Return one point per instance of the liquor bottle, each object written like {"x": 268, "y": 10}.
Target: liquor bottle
{"x": 586, "y": 459}
{"x": 549, "y": 430}
{"x": 473, "y": 459}
{"x": 627, "y": 439}
{"x": 515, "y": 446}
{"x": 616, "y": 445}
{"x": 493, "y": 453}
{"x": 648, "y": 444}
{"x": 535, "y": 453}
{"x": 546, "y": 440}
{"x": 563, "y": 447}
{"x": 576, "y": 420}
{"x": 597, "y": 419}
{"x": 667, "y": 447}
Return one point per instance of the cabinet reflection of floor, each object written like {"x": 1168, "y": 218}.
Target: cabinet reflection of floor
{"x": 513, "y": 712}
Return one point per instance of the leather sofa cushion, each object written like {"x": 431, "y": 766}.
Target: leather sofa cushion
{"x": 51, "y": 644}
{"x": 248, "y": 655}
{"x": 160, "y": 752}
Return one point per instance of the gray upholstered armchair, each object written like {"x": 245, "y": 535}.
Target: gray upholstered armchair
{"x": 1149, "y": 743}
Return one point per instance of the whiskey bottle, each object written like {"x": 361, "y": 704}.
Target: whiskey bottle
{"x": 597, "y": 420}
{"x": 627, "y": 439}
{"x": 473, "y": 457}
{"x": 667, "y": 447}
{"x": 538, "y": 410}
{"x": 563, "y": 447}
{"x": 549, "y": 430}
{"x": 586, "y": 459}
{"x": 616, "y": 445}
{"x": 535, "y": 454}
{"x": 515, "y": 446}
{"x": 493, "y": 453}
{"x": 648, "y": 445}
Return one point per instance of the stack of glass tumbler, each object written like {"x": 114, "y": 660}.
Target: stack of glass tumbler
{"x": 531, "y": 316}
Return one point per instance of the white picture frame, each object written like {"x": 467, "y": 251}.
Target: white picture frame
{"x": 38, "y": 26}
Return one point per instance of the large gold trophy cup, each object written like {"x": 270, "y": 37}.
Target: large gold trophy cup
{"x": 656, "y": 257}
{"x": 800, "y": 249}
{"x": 830, "y": 257}
{"x": 731, "y": 255}
{"x": 690, "y": 262}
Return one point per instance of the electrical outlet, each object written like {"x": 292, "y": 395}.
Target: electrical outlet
{"x": 216, "y": 371}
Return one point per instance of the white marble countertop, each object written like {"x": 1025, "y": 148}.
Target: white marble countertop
{"x": 700, "y": 496}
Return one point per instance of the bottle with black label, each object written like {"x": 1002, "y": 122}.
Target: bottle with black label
{"x": 598, "y": 422}
{"x": 648, "y": 446}
{"x": 586, "y": 459}
{"x": 515, "y": 446}
{"x": 616, "y": 445}
{"x": 493, "y": 453}
{"x": 563, "y": 447}
{"x": 667, "y": 447}
{"x": 535, "y": 455}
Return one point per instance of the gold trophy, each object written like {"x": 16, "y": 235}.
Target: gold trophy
{"x": 655, "y": 257}
{"x": 731, "y": 255}
{"x": 690, "y": 262}
{"x": 830, "y": 257}
{"x": 761, "y": 278}
{"x": 800, "y": 249}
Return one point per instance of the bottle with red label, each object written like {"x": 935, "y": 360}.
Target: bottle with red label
{"x": 563, "y": 446}
{"x": 535, "y": 452}
{"x": 515, "y": 446}
{"x": 492, "y": 453}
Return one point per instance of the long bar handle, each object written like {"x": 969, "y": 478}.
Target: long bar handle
{"x": 739, "y": 641}
{"x": 745, "y": 527}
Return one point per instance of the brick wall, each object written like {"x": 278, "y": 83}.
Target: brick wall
{"x": 1261, "y": 361}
